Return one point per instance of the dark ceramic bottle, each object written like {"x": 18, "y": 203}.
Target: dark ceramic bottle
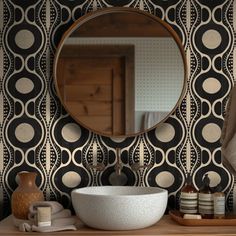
{"x": 188, "y": 197}
{"x": 26, "y": 193}
{"x": 205, "y": 199}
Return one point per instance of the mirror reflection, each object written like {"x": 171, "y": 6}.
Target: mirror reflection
{"x": 120, "y": 73}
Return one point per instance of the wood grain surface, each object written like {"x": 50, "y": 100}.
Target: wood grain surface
{"x": 166, "y": 226}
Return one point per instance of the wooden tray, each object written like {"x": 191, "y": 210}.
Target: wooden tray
{"x": 229, "y": 220}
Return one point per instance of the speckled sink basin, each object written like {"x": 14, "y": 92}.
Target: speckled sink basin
{"x": 119, "y": 207}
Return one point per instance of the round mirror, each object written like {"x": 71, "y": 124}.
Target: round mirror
{"x": 120, "y": 71}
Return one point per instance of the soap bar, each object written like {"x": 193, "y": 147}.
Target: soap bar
{"x": 192, "y": 217}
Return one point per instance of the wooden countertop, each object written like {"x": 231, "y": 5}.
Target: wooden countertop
{"x": 166, "y": 226}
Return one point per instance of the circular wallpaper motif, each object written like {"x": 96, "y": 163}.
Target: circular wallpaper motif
{"x": 211, "y": 39}
{"x": 165, "y": 132}
{"x": 211, "y": 85}
{"x": 165, "y": 135}
{"x": 211, "y": 132}
{"x": 27, "y": 40}
{"x": 165, "y": 179}
{"x": 118, "y": 142}
{"x": 208, "y": 131}
{"x": 71, "y": 179}
{"x": 71, "y": 176}
{"x": 24, "y": 39}
{"x": 165, "y": 176}
{"x": 127, "y": 177}
{"x": 71, "y": 132}
{"x": 24, "y": 132}
{"x": 117, "y": 180}
{"x": 214, "y": 177}
{"x": 24, "y": 85}
{"x": 117, "y": 139}
{"x": 70, "y": 135}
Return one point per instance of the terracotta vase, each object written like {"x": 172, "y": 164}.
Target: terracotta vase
{"x": 26, "y": 193}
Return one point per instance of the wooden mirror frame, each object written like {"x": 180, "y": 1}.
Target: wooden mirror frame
{"x": 82, "y": 20}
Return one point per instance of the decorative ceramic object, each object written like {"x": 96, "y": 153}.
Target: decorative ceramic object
{"x": 26, "y": 193}
{"x": 119, "y": 207}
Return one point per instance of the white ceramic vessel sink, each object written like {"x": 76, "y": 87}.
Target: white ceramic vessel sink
{"x": 119, "y": 207}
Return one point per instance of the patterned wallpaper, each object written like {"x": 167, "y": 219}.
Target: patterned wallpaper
{"x": 37, "y": 134}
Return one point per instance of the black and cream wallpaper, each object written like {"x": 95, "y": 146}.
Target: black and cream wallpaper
{"x": 36, "y": 134}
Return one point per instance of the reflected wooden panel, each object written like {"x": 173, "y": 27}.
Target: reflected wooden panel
{"x": 93, "y": 87}
{"x": 89, "y": 108}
